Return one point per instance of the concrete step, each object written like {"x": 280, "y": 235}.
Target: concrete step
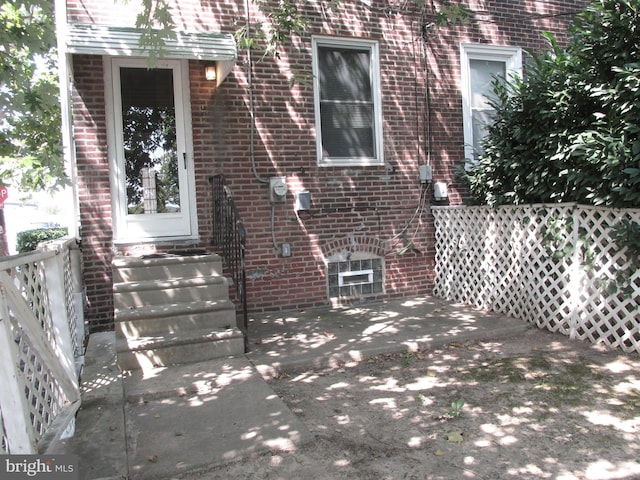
{"x": 173, "y": 318}
{"x": 198, "y": 378}
{"x": 161, "y": 292}
{"x": 172, "y": 309}
{"x": 178, "y": 348}
{"x": 137, "y": 269}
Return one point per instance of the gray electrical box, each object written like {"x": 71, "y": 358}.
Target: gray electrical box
{"x": 277, "y": 189}
{"x": 302, "y": 201}
{"x": 426, "y": 174}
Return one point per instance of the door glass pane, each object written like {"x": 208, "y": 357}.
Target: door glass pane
{"x": 149, "y": 137}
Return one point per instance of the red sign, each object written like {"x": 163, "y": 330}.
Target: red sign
{"x": 4, "y": 193}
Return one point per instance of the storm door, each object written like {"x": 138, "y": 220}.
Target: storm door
{"x": 153, "y": 174}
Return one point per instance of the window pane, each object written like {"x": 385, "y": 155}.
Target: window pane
{"x": 344, "y": 74}
{"x": 482, "y": 74}
{"x": 480, "y": 120}
{"x": 346, "y": 105}
{"x": 347, "y": 130}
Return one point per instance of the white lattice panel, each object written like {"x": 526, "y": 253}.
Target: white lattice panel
{"x": 549, "y": 265}
{"x": 30, "y": 280}
{"x": 39, "y": 379}
{"x": 72, "y": 315}
{"x": 610, "y": 296}
{"x": 45, "y": 396}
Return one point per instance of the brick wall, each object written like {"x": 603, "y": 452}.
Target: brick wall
{"x": 351, "y": 206}
{"x": 93, "y": 187}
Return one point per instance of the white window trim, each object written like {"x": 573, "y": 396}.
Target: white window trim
{"x": 372, "y": 46}
{"x": 512, "y": 56}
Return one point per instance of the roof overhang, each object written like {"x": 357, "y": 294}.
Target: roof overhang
{"x": 125, "y": 42}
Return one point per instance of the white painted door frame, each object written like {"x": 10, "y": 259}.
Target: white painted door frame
{"x": 134, "y": 228}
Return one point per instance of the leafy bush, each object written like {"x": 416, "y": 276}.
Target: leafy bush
{"x": 29, "y": 240}
{"x": 570, "y": 130}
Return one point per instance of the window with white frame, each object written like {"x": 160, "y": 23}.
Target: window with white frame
{"x": 480, "y": 64}
{"x": 347, "y": 102}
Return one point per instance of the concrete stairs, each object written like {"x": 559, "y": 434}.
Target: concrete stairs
{"x": 172, "y": 309}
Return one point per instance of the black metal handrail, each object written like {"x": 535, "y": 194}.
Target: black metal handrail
{"x": 229, "y": 237}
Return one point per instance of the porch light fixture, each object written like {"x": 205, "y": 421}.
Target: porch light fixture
{"x": 210, "y": 72}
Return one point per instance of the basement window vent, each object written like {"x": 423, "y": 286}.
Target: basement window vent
{"x": 359, "y": 277}
{"x": 355, "y": 278}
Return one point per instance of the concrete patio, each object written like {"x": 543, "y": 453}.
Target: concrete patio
{"x": 168, "y": 422}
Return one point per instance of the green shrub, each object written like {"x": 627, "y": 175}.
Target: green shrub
{"x": 570, "y": 130}
{"x": 28, "y": 240}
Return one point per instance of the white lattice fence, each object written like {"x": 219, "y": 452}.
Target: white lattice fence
{"x": 556, "y": 266}
{"x": 41, "y": 337}
{"x": 609, "y": 293}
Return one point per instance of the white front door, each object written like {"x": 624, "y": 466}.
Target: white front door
{"x": 152, "y": 179}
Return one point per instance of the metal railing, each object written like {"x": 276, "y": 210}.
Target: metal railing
{"x": 229, "y": 237}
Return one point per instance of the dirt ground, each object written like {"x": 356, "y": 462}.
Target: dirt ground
{"x": 533, "y": 406}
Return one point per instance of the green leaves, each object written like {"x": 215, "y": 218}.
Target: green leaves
{"x": 29, "y": 240}
{"x": 570, "y": 131}
{"x": 30, "y": 151}
{"x": 157, "y": 26}
{"x": 452, "y": 14}
{"x": 456, "y": 408}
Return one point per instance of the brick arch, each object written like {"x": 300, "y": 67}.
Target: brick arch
{"x": 351, "y": 244}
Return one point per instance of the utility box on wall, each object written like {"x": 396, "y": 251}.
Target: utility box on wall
{"x": 303, "y": 201}
{"x": 440, "y": 191}
{"x": 277, "y": 189}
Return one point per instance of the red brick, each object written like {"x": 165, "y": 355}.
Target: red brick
{"x": 360, "y": 202}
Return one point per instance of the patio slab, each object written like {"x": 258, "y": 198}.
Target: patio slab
{"x": 329, "y": 337}
{"x": 181, "y": 420}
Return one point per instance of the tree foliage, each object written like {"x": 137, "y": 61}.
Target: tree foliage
{"x": 157, "y": 25}
{"x": 30, "y": 145}
{"x": 570, "y": 130}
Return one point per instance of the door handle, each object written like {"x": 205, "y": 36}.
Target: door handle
{"x": 184, "y": 159}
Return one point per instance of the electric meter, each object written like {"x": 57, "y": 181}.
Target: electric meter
{"x": 277, "y": 189}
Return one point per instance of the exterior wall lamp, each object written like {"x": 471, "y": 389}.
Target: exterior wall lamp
{"x": 210, "y": 72}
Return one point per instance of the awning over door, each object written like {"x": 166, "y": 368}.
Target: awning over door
{"x": 125, "y": 42}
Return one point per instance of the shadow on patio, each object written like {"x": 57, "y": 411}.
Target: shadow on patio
{"x": 329, "y": 337}
{"x": 169, "y": 421}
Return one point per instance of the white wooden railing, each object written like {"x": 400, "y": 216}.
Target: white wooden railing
{"x": 560, "y": 267}
{"x": 41, "y": 346}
